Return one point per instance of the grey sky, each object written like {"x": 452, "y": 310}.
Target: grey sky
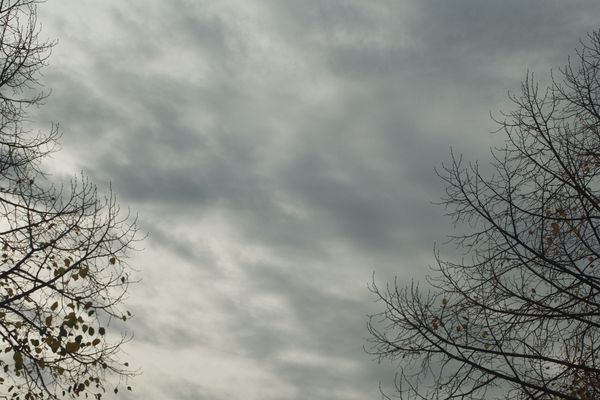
{"x": 278, "y": 152}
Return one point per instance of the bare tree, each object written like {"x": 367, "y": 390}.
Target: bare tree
{"x": 518, "y": 316}
{"x": 63, "y": 251}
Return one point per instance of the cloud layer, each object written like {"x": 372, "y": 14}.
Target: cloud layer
{"x": 278, "y": 153}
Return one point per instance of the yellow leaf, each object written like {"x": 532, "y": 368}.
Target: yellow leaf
{"x": 72, "y": 347}
{"x": 18, "y": 357}
{"x": 554, "y": 227}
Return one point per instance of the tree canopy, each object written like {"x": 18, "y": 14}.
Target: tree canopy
{"x": 518, "y": 315}
{"x": 63, "y": 249}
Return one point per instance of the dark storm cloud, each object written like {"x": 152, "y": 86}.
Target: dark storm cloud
{"x": 437, "y": 37}
{"x": 278, "y": 152}
{"x": 163, "y": 160}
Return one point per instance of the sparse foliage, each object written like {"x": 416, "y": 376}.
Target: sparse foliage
{"x": 63, "y": 251}
{"x": 518, "y": 316}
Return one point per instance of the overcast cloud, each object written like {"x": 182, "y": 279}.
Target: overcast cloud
{"x": 278, "y": 153}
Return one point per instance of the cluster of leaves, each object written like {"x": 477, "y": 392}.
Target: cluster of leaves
{"x": 518, "y": 317}
{"x": 63, "y": 270}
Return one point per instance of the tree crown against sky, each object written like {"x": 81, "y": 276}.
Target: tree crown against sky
{"x": 518, "y": 315}
{"x": 63, "y": 269}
